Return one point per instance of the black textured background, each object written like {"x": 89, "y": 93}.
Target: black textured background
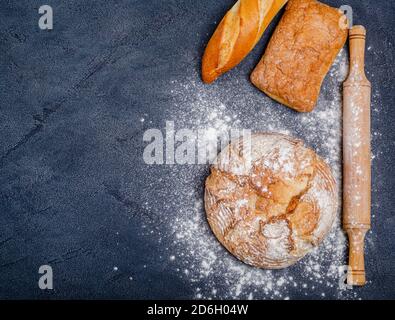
{"x": 71, "y": 137}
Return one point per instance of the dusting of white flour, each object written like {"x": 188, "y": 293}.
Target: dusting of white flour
{"x": 194, "y": 253}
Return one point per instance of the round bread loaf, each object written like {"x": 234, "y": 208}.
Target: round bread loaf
{"x": 272, "y": 202}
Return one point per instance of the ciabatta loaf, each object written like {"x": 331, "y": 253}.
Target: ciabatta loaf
{"x": 300, "y": 53}
{"x": 236, "y": 35}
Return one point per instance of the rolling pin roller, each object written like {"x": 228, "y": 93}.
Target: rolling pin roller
{"x": 356, "y": 156}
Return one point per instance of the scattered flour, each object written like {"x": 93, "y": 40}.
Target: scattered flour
{"x": 194, "y": 253}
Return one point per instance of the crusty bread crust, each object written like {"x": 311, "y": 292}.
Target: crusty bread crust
{"x": 236, "y": 35}
{"x": 300, "y": 54}
{"x": 270, "y": 213}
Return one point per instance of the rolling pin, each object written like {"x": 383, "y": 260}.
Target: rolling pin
{"x": 356, "y": 156}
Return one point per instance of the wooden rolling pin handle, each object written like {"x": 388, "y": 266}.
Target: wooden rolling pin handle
{"x": 356, "y": 261}
{"x": 356, "y": 156}
{"x": 357, "y": 39}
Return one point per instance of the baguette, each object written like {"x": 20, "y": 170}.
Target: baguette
{"x": 236, "y": 35}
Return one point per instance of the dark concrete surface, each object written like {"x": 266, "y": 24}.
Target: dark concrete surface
{"x": 71, "y": 100}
